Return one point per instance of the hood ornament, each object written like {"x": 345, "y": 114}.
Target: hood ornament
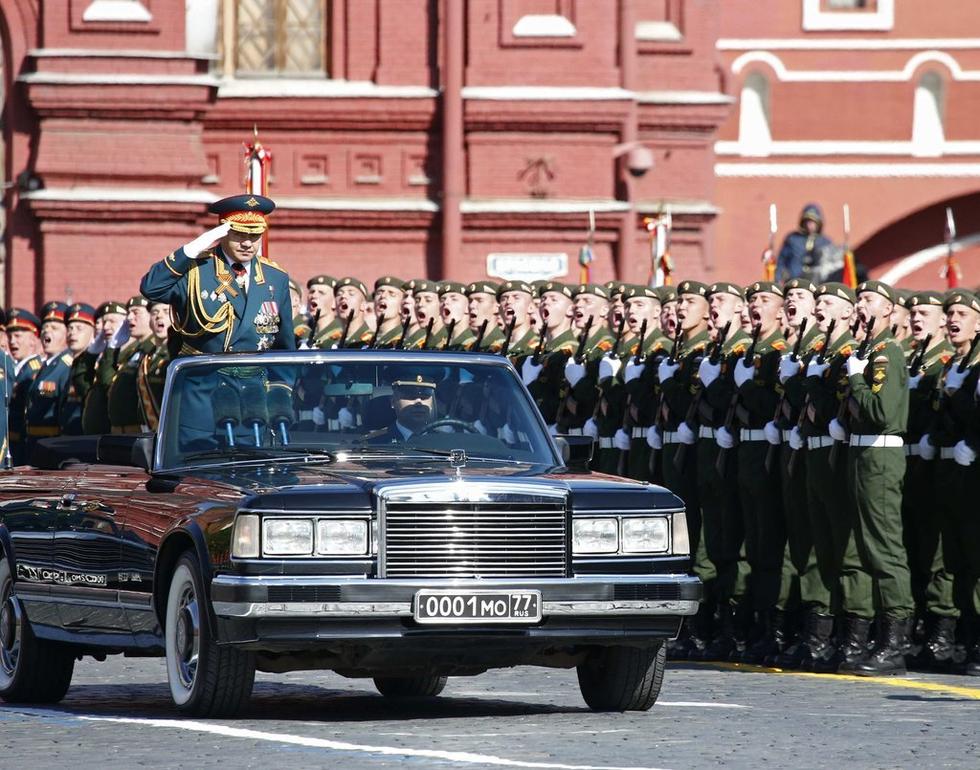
{"x": 457, "y": 459}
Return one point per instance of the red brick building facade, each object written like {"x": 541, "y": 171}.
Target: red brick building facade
{"x": 456, "y": 137}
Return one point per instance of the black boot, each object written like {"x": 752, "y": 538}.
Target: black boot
{"x": 815, "y": 642}
{"x": 771, "y": 642}
{"x": 889, "y": 653}
{"x": 852, "y": 647}
{"x": 972, "y": 666}
{"x": 721, "y": 646}
{"x": 744, "y": 633}
{"x": 937, "y": 649}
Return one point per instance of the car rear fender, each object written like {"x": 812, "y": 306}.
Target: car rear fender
{"x": 188, "y": 537}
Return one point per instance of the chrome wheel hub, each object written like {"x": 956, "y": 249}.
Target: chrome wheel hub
{"x": 187, "y": 641}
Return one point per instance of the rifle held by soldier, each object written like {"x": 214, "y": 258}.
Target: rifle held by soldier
{"x": 722, "y": 459}
{"x": 680, "y": 456}
{"x": 821, "y": 358}
{"x": 508, "y": 333}
{"x": 794, "y": 356}
{"x": 861, "y": 353}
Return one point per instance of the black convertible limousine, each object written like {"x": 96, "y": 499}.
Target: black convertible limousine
{"x": 399, "y": 516}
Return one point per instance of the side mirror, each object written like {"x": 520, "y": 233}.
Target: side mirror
{"x": 576, "y": 451}
{"x": 119, "y": 449}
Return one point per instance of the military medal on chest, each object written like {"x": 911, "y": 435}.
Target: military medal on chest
{"x": 267, "y": 324}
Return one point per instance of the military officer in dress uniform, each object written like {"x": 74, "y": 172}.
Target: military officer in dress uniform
{"x": 454, "y": 310}
{"x": 23, "y": 328}
{"x": 878, "y": 405}
{"x": 388, "y": 298}
{"x": 481, "y": 299}
{"x": 81, "y": 333}
{"x": 226, "y": 298}
{"x": 123, "y": 396}
{"x": 6, "y": 391}
{"x": 92, "y": 370}
{"x": 49, "y": 389}
{"x": 152, "y": 373}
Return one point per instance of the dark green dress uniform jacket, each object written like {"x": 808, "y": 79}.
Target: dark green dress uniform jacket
{"x": 548, "y": 389}
{"x": 45, "y": 397}
{"x": 124, "y": 401}
{"x": 212, "y": 313}
{"x": 580, "y": 403}
{"x": 6, "y": 393}
{"x": 880, "y": 397}
{"x": 23, "y": 378}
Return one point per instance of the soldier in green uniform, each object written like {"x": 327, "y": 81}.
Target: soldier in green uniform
{"x": 152, "y": 373}
{"x": 932, "y": 584}
{"x": 765, "y": 532}
{"x": 900, "y": 321}
{"x": 720, "y": 511}
{"x": 514, "y": 300}
{"x": 955, "y": 441}
{"x": 49, "y": 388}
{"x": 408, "y": 313}
{"x": 123, "y": 396}
{"x": 878, "y": 405}
{"x": 843, "y": 585}
{"x": 81, "y": 334}
{"x": 454, "y": 311}
{"x": 92, "y": 371}
{"x": 352, "y": 297}
{"x": 431, "y": 334}
{"x": 388, "y": 298}
{"x": 23, "y": 328}
{"x": 543, "y": 372}
{"x": 323, "y": 315}
{"x": 6, "y": 392}
{"x": 590, "y": 303}
{"x": 482, "y": 305}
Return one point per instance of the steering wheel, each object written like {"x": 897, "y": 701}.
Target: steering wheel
{"x": 462, "y": 425}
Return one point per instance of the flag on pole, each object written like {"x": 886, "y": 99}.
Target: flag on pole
{"x": 258, "y": 160}
{"x": 951, "y": 268}
{"x": 586, "y": 255}
{"x": 769, "y": 255}
{"x": 850, "y": 277}
{"x": 661, "y": 265}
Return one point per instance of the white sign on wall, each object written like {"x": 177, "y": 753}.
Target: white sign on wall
{"x": 522, "y": 266}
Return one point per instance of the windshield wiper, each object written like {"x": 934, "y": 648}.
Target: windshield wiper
{"x": 408, "y": 451}
{"x": 251, "y": 453}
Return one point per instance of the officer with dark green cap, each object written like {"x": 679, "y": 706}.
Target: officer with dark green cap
{"x": 878, "y": 405}
{"x": 322, "y": 304}
{"x": 543, "y": 372}
{"x": 123, "y": 396}
{"x": 481, "y": 299}
{"x": 756, "y": 380}
{"x": 721, "y": 512}
{"x": 431, "y": 334}
{"x": 352, "y": 298}
{"x": 388, "y": 298}
{"x": 454, "y": 307}
{"x": 590, "y": 309}
{"x": 514, "y": 300}
{"x": 955, "y": 443}
{"x": 900, "y": 320}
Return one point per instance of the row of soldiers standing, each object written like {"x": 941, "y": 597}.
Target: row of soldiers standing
{"x": 72, "y": 370}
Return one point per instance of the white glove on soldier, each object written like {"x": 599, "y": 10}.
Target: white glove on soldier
{"x": 574, "y": 372}
{"x": 816, "y": 369}
{"x": 914, "y": 381}
{"x": 481, "y": 427}
{"x": 926, "y": 450}
{"x": 856, "y": 365}
{"x": 346, "y": 418}
{"x": 954, "y": 378}
{"x": 622, "y": 440}
{"x": 654, "y": 439}
{"x": 590, "y": 429}
{"x": 609, "y": 367}
{"x": 633, "y": 369}
{"x": 724, "y": 438}
{"x": 97, "y": 345}
{"x": 744, "y": 371}
{"x": 788, "y": 368}
{"x": 530, "y": 370}
{"x": 120, "y": 336}
{"x": 773, "y": 434}
{"x": 836, "y": 431}
{"x": 963, "y": 454}
{"x": 666, "y": 370}
{"x": 319, "y": 417}
{"x": 685, "y": 435}
{"x": 200, "y": 243}
{"x": 795, "y": 439}
{"x": 708, "y": 372}
{"x": 507, "y": 435}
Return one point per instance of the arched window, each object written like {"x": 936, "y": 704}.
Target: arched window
{"x": 928, "y": 135}
{"x": 754, "y": 135}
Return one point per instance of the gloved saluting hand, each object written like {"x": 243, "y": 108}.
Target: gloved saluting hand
{"x": 202, "y": 242}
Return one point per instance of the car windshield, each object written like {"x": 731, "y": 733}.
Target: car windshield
{"x": 375, "y": 406}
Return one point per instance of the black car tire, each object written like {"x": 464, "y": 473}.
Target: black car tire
{"x": 426, "y": 686}
{"x": 32, "y": 670}
{"x": 623, "y": 678}
{"x": 206, "y": 680}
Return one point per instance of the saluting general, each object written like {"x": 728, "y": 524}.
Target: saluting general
{"x": 226, "y": 297}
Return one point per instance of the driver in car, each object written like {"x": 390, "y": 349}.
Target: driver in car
{"x": 414, "y": 403}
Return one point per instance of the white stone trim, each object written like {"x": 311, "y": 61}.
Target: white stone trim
{"x": 544, "y": 25}
{"x": 546, "y": 93}
{"x": 816, "y": 20}
{"x": 675, "y": 206}
{"x": 310, "y": 203}
{"x": 907, "y": 265}
{"x": 824, "y": 148}
{"x": 317, "y": 88}
{"x": 117, "y": 10}
{"x": 111, "y": 53}
{"x": 540, "y": 206}
{"x": 113, "y": 79}
{"x": 658, "y": 32}
{"x": 120, "y": 195}
{"x": 847, "y": 170}
{"x": 856, "y": 76}
{"x": 845, "y": 44}
{"x": 683, "y": 97}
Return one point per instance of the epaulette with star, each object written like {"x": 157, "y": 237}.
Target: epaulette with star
{"x": 779, "y": 345}
{"x": 67, "y": 359}
{"x": 604, "y": 345}
{"x": 35, "y": 364}
{"x": 739, "y": 349}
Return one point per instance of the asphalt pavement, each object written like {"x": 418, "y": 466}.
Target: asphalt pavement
{"x": 118, "y": 715}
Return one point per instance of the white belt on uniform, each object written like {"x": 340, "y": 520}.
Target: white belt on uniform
{"x": 749, "y": 434}
{"x": 819, "y": 442}
{"x": 575, "y": 432}
{"x": 306, "y": 414}
{"x": 913, "y": 450}
{"x": 946, "y": 453}
{"x": 786, "y": 436}
{"x": 672, "y": 437}
{"x": 706, "y": 432}
{"x": 877, "y": 441}
{"x": 606, "y": 442}
{"x": 639, "y": 432}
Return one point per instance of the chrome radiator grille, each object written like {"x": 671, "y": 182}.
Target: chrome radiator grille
{"x": 485, "y": 539}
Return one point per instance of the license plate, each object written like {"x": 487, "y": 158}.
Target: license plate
{"x": 477, "y": 606}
